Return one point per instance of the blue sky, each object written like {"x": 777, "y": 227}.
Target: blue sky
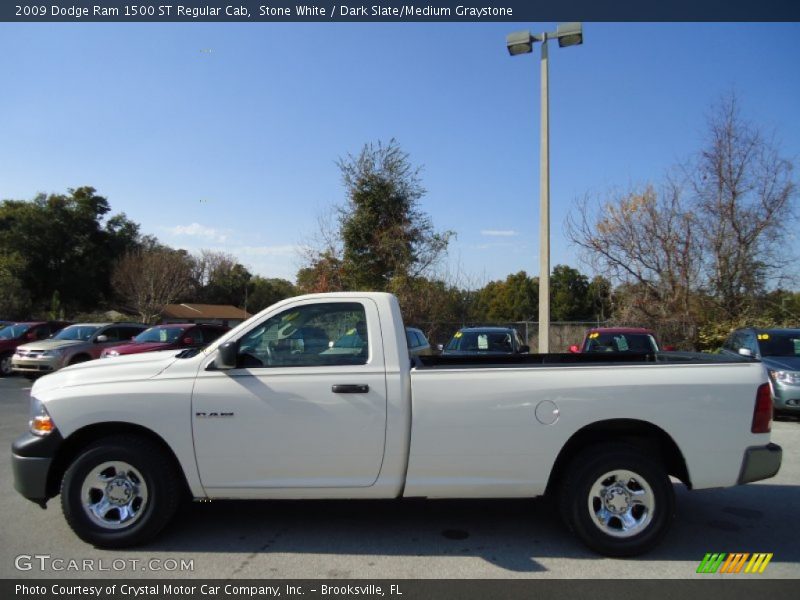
{"x": 225, "y": 136}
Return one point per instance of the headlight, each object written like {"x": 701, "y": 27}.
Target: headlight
{"x": 785, "y": 377}
{"x": 108, "y": 353}
{"x": 40, "y": 423}
{"x": 48, "y": 353}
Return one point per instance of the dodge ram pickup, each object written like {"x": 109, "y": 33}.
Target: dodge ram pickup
{"x": 276, "y": 409}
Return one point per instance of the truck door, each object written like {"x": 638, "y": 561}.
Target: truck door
{"x": 305, "y": 407}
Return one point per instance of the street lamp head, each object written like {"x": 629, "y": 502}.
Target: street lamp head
{"x": 569, "y": 34}
{"x": 520, "y": 42}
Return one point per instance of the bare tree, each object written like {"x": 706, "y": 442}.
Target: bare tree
{"x": 718, "y": 234}
{"x": 644, "y": 241}
{"x": 743, "y": 192}
{"x": 150, "y": 279}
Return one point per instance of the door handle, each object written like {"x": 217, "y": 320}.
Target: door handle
{"x": 349, "y": 388}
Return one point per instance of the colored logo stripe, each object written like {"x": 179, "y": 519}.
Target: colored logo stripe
{"x": 721, "y": 562}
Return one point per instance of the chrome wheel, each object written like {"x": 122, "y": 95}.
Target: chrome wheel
{"x": 621, "y": 503}
{"x": 114, "y": 495}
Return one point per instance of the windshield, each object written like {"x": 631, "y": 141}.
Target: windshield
{"x": 13, "y": 331}
{"x": 620, "y": 342}
{"x": 81, "y": 333}
{"x": 779, "y": 344}
{"x": 481, "y": 341}
{"x": 166, "y": 335}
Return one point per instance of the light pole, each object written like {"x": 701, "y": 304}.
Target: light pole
{"x": 521, "y": 42}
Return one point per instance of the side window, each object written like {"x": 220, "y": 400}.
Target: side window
{"x": 210, "y": 334}
{"x": 750, "y": 343}
{"x": 196, "y": 335}
{"x": 126, "y": 333}
{"x": 42, "y": 332}
{"x": 333, "y": 333}
{"x": 411, "y": 339}
{"x": 112, "y": 333}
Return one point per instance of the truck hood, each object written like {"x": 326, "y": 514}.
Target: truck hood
{"x": 782, "y": 363}
{"x": 133, "y": 367}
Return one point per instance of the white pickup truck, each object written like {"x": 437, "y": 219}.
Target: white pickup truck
{"x": 317, "y": 397}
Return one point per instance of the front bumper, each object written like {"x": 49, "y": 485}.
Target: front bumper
{"x": 31, "y": 459}
{"x": 760, "y": 462}
{"x": 46, "y": 364}
{"x": 786, "y": 399}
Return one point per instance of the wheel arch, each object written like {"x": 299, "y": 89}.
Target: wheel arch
{"x": 649, "y": 438}
{"x": 81, "y": 438}
{"x": 79, "y": 357}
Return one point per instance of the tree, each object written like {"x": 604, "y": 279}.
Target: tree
{"x": 569, "y": 295}
{"x": 743, "y": 192}
{"x": 264, "y": 292}
{"x": 66, "y": 245}
{"x": 711, "y": 239}
{"x": 644, "y": 240}
{"x": 15, "y": 301}
{"x": 148, "y": 280}
{"x": 382, "y": 234}
{"x": 219, "y": 279}
{"x": 514, "y": 299}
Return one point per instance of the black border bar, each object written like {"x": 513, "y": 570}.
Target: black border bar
{"x": 708, "y": 587}
{"x": 397, "y": 10}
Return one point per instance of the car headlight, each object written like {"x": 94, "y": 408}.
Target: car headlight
{"x": 785, "y": 377}
{"x": 50, "y": 353}
{"x": 108, "y": 353}
{"x": 40, "y": 423}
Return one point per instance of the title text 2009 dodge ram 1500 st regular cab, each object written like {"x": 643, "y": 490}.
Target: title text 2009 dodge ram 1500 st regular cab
{"x": 276, "y": 409}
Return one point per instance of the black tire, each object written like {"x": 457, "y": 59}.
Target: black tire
{"x": 5, "y": 365}
{"x": 112, "y": 470}
{"x": 637, "y": 510}
{"x": 81, "y": 358}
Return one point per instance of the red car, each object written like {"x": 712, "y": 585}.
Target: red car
{"x": 172, "y": 336}
{"x": 16, "y": 334}
{"x": 619, "y": 339}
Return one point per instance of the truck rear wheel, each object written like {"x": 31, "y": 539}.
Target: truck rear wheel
{"x": 120, "y": 492}
{"x": 618, "y": 500}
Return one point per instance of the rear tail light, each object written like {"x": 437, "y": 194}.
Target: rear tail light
{"x": 762, "y": 415}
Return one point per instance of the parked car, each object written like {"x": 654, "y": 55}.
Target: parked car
{"x": 74, "y": 344}
{"x": 485, "y": 341}
{"x": 12, "y": 335}
{"x": 619, "y": 339}
{"x": 418, "y": 344}
{"x": 779, "y": 350}
{"x": 168, "y": 337}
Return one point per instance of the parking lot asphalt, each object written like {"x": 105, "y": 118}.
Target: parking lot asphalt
{"x": 397, "y": 539}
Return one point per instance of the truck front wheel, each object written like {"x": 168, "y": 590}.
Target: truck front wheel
{"x": 618, "y": 500}
{"x": 120, "y": 492}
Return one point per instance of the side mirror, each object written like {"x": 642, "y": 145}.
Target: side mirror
{"x": 574, "y": 349}
{"x": 440, "y": 347}
{"x": 30, "y": 335}
{"x": 226, "y": 356}
{"x": 745, "y": 352}
{"x": 187, "y": 341}
{"x": 524, "y": 349}
{"x": 101, "y": 339}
